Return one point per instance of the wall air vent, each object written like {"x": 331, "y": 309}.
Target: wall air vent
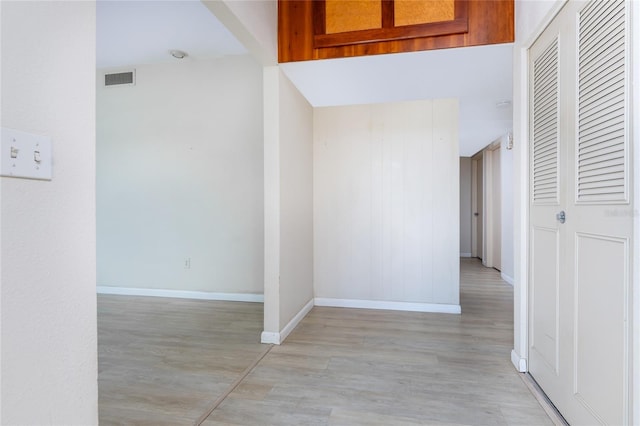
{"x": 120, "y": 78}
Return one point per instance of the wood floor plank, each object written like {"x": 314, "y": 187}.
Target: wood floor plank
{"x": 398, "y": 367}
{"x": 161, "y": 362}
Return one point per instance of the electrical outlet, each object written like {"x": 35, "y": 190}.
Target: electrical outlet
{"x": 187, "y": 263}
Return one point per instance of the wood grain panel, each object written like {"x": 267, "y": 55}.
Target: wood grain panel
{"x": 388, "y": 14}
{"x": 295, "y": 30}
{"x": 394, "y": 33}
{"x": 341, "y": 16}
{"x": 489, "y": 22}
{"x": 456, "y": 23}
{"x": 411, "y": 12}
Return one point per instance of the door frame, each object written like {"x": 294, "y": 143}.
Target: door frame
{"x": 490, "y": 221}
{"x": 486, "y": 250}
{"x": 519, "y": 355}
{"x": 475, "y": 250}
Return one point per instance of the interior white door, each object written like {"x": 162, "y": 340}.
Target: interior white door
{"x": 479, "y": 213}
{"x": 474, "y": 208}
{"x": 496, "y": 209}
{"x": 580, "y": 263}
{"x": 546, "y": 201}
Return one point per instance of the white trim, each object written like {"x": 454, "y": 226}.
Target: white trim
{"x": 270, "y": 338}
{"x": 489, "y": 214}
{"x": 465, "y": 254}
{"x": 278, "y": 338}
{"x": 477, "y": 225}
{"x": 181, "y": 294}
{"x": 284, "y": 333}
{"x": 387, "y": 305}
{"x": 519, "y": 363}
{"x": 506, "y": 278}
{"x": 544, "y": 23}
{"x": 521, "y": 197}
{"x": 634, "y": 123}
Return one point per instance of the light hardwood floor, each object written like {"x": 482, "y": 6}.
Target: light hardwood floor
{"x": 166, "y": 361}
{"x": 163, "y": 361}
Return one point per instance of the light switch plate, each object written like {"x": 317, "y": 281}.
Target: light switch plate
{"x": 24, "y": 155}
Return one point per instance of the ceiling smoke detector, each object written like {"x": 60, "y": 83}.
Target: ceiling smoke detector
{"x": 178, "y": 54}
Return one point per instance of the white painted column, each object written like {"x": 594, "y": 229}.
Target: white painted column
{"x": 271, "y": 88}
{"x": 288, "y": 216}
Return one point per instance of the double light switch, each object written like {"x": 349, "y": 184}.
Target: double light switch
{"x": 24, "y": 155}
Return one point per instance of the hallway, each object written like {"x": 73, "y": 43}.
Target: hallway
{"x": 340, "y": 366}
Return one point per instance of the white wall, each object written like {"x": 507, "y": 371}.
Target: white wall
{"x": 49, "y": 348}
{"x": 179, "y": 176}
{"x": 296, "y": 201}
{"x": 288, "y": 211}
{"x": 386, "y": 202}
{"x": 465, "y": 207}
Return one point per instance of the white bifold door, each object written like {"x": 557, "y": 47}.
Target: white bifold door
{"x": 581, "y": 218}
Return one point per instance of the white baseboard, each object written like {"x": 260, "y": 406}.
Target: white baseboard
{"x": 181, "y": 294}
{"x": 507, "y": 278}
{"x": 295, "y": 320}
{"x": 385, "y": 305}
{"x": 465, "y": 254}
{"x": 278, "y": 338}
{"x": 519, "y": 363}
{"x": 270, "y": 338}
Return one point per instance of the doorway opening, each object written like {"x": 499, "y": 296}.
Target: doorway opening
{"x": 488, "y": 186}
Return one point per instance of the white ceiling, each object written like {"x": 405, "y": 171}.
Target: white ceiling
{"x": 143, "y": 32}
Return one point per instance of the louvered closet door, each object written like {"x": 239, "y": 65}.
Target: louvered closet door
{"x": 548, "y": 152}
{"x": 580, "y": 303}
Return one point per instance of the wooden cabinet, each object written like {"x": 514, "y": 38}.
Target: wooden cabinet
{"x": 319, "y": 29}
